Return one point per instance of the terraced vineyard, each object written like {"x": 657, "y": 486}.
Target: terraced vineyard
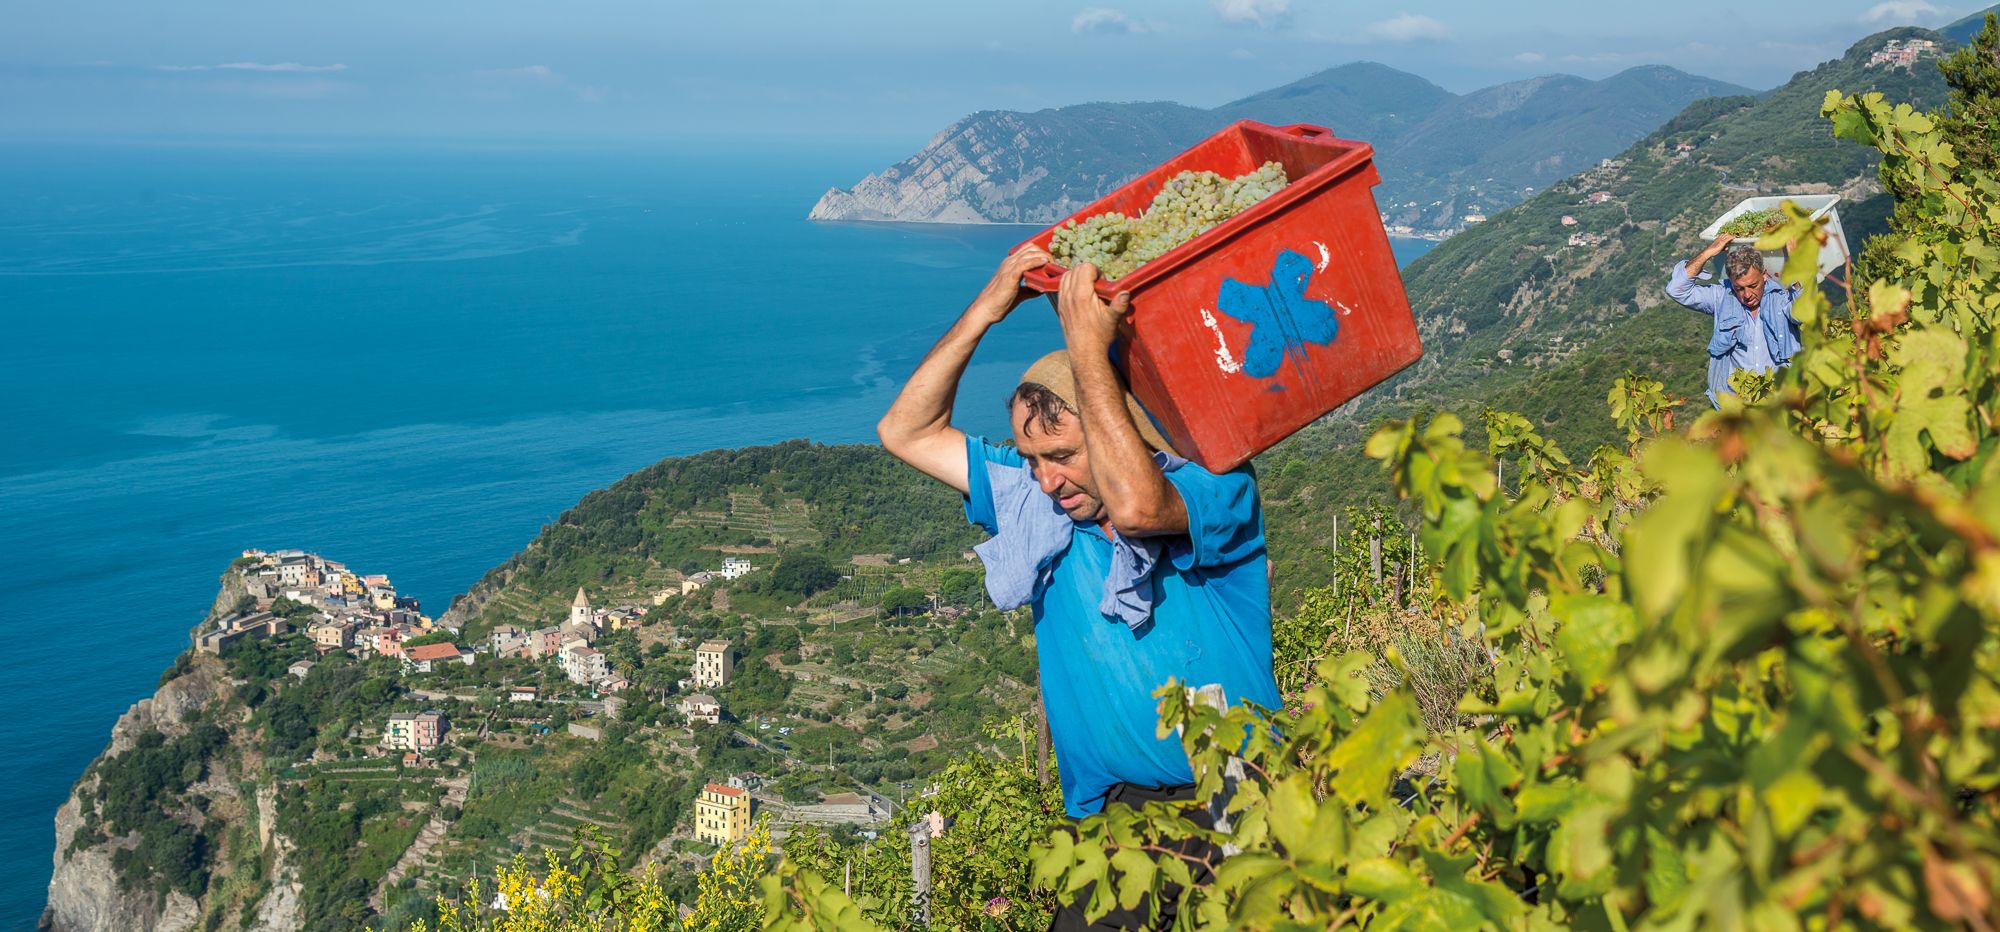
{"x": 532, "y": 816}
{"x": 789, "y": 523}
{"x": 557, "y": 826}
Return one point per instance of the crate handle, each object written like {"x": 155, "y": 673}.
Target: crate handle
{"x": 1306, "y": 131}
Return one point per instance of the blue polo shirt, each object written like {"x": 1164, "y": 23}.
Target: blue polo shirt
{"x": 1211, "y": 624}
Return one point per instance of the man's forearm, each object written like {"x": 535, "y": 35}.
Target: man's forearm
{"x": 924, "y": 405}
{"x": 1140, "y": 500}
{"x": 917, "y": 427}
{"x": 1710, "y": 251}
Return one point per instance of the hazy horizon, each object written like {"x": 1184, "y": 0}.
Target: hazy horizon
{"x": 626, "y": 72}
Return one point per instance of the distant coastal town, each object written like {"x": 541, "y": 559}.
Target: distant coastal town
{"x": 364, "y": 617}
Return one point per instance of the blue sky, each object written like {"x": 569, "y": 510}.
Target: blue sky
{"x": 538, "y": 71}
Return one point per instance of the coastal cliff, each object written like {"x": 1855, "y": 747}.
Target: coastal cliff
{"x": 308, "y": 767}
{"x": 85, "y": 894}
{"x": 1000, "y": 166}
{"x": 101, "y": 882}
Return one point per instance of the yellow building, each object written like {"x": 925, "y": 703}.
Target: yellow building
{"x": 722, "y": 814}
{"x": 714, "y": 661}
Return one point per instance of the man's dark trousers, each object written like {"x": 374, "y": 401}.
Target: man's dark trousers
{"x": 1069, "y": 917}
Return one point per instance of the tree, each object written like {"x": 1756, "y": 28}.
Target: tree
{"x": 904, "y": 600}
{"x": 1971, "y": 120}
{"x": 803, "y": 573}
{"x": 961, "y": 586}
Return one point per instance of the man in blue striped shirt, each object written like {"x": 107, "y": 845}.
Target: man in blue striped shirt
{"x": 1754, "y": 326}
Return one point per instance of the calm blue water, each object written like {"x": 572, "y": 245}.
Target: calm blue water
{"x": 409, "y": 361}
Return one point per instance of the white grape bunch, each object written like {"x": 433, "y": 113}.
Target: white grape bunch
{"x": 1188, "y": 205}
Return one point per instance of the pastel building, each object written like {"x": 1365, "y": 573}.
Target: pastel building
{"x": 702, "y": 707}
{"x": 584, "y": 665}
{"x": 414, "y": 731}
{"x": 713, "y": 664}
{"x": 722, "y": 814}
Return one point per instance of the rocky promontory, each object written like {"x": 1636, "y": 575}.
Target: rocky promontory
{"x": 102, "y": 881}
{"x": 999, "y": 166}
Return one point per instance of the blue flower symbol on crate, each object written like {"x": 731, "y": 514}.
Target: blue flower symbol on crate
{"x": 1282, "y": 319}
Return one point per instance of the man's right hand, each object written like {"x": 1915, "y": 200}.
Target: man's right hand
{"x": 1003, "y": 293}
{"x": 917, "y": 428}
{"x": 1710, "y": 251}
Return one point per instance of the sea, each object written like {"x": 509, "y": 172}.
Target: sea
{"x": 408, "y": 358}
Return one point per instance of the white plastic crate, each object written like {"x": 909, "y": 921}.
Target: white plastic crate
{"x": 1831, "y": 257}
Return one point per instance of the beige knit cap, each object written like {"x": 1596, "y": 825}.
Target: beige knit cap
{"x": 1053, "y": 372}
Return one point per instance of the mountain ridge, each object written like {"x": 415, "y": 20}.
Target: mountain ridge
{"x": 1442, "y": 155}
{"x": 1962, "y": 30}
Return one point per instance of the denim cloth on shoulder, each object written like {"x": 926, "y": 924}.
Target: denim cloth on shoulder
{"x": 1210, "y": 623}
{"x": 1034, "y": 530}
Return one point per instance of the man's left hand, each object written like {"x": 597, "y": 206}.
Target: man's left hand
{"x": 1089, "y": 325}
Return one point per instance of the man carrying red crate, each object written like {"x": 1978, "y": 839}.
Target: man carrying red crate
{"x": 1141, "y": 567}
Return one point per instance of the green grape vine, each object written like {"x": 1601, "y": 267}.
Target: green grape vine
{"x": 1742, "y": 673}
{"x": 1745, "y": 677}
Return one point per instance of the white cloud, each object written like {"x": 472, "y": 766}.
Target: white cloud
{"x": 285, "y": 67}
{"x": 1105, "y": 20}
{"x": 1406, "y": 27}
{"x": 1900, "y": 11}
{"x": 1260, "y": 12}
{"x": 1241, "y": 55}
{"x": 1531, "y": 58}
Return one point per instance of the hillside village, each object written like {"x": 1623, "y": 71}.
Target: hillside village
{"x": 638, "y": 716}
{"x": 361, "y": 616}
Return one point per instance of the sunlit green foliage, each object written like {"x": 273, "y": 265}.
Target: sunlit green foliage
{"x": 1746, "y": 677}
{"x": 1742, "y": 677}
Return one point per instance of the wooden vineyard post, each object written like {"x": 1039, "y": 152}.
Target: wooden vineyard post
{"x": 1336, "y": 554}
{"x": 1413, "y": 564}
{"x": 920, "y": 871}
{"x": 1375, "y": 554}
{"x": 1041, "y": 741}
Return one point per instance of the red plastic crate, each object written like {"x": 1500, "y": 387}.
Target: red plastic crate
{"x": 1252, "y": 330}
